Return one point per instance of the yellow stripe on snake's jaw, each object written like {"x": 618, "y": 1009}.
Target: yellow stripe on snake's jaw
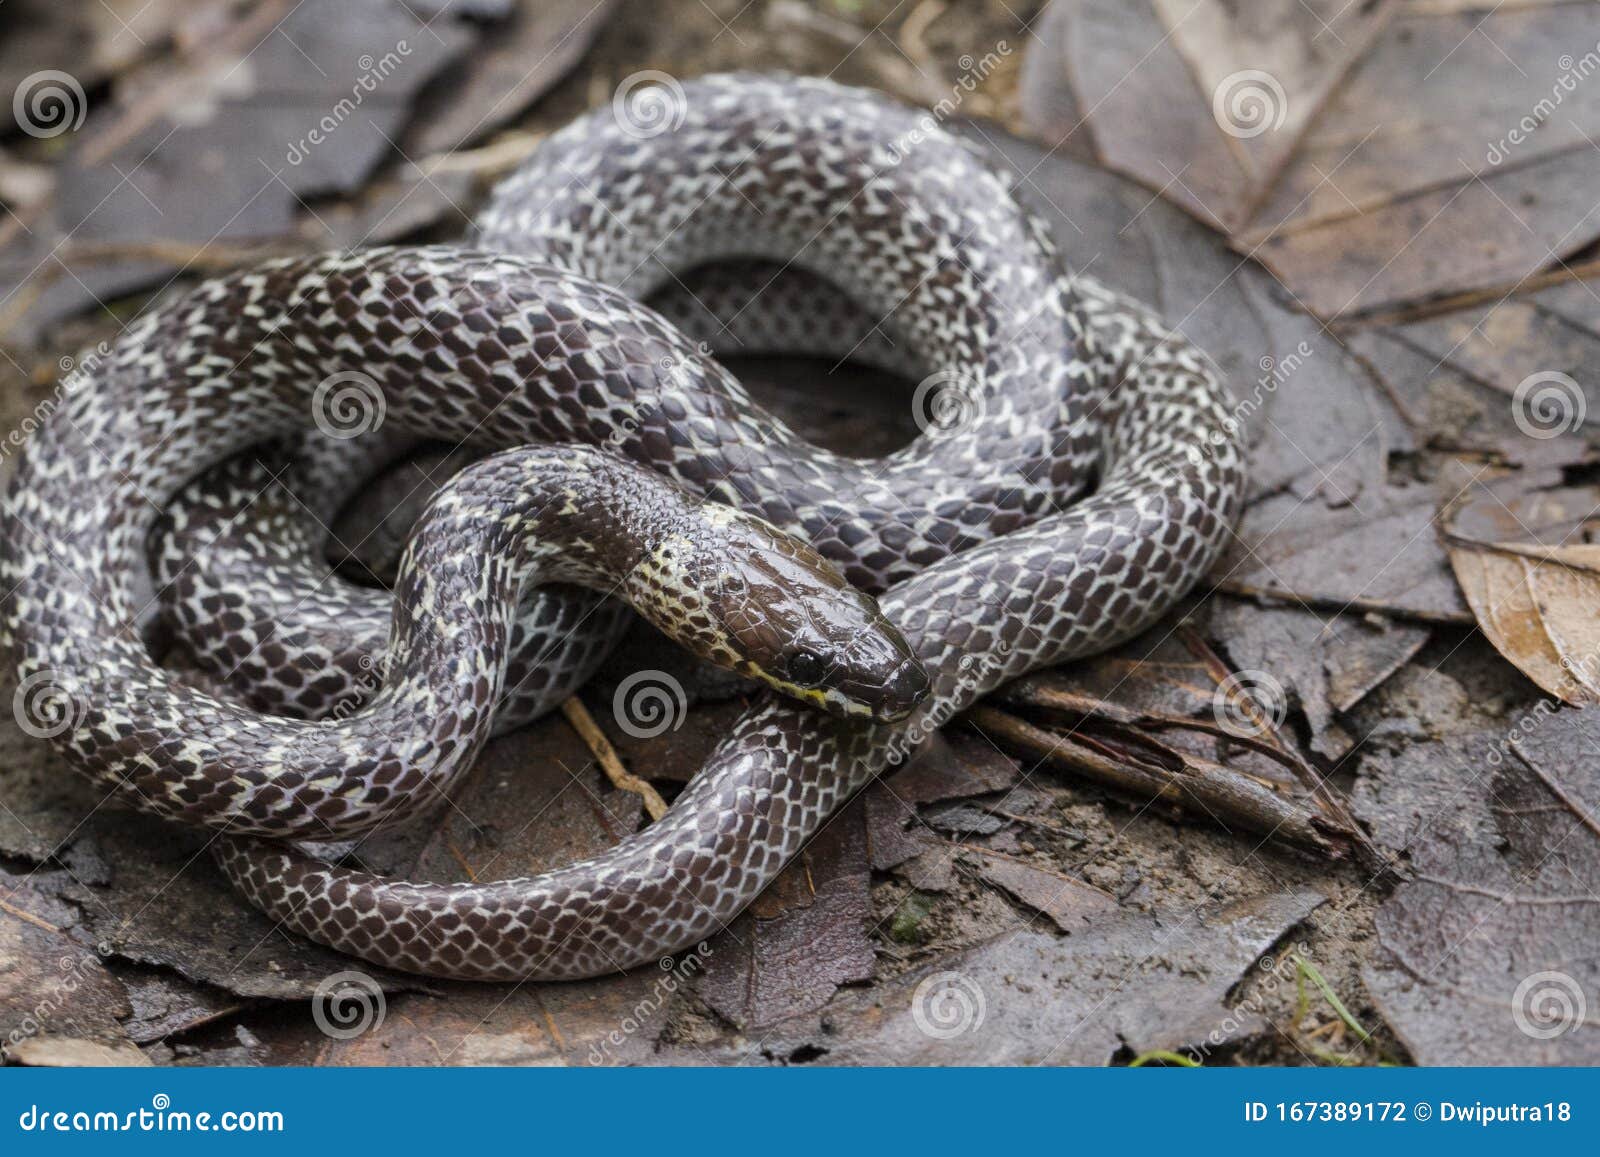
{"x": 747, "y": 596}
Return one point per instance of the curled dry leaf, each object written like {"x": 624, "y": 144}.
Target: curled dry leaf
{"x": 1532, "y": 579}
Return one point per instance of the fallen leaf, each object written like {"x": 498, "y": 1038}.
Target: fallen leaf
{"x": 1070, "y": 904}
{"x": 1127, "y": 981}
{"x": 1487, "y": 952}
{"x": 802, "y": 938}
{"x": 59, "y": 1005}
{"x": 1535, "y": 600}
{"x": 1281, "y": 125}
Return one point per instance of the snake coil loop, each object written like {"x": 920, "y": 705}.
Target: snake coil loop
{"x": 980, "y": 539}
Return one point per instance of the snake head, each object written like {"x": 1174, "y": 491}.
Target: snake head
{"x": 763, "y": 603}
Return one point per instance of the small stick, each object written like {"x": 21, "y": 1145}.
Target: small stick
{"x": 29, "y": 917}
{"x": 606, "y": 756}
{"x": 1220, "y": 794}
{"x": 1035, "y": 691}
{"x": 497, "y": 156}
{"x": 1313, "y": 600}
{"x": 1331, "y": 805}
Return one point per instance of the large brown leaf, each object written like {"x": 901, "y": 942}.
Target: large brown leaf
{"x": 1122, "y": 980}
{"x": 1488, "y": 952}
{"x": 1369, "y": 154}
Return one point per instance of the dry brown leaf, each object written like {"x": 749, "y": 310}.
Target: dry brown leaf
{"x": 1369, "y": 155}
{"x": 1534, "y": 600}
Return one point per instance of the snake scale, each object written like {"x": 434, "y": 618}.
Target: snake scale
{"x": 1088, "y": 480}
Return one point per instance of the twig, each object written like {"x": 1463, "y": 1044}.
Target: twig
{"x": 1313, "y": 600}
{"x": 1065, "y": 833}
{"x": 498, "y": 156}
{"x": 1199, "y": 788}
{"x": 606, "y": 756}
{"x": 29, "y": 917}
{"x": 1035, "y": 691}
{"x": 1331, "y": 805}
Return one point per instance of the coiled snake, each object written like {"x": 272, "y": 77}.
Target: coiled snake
{"x": 1087, "y": 477}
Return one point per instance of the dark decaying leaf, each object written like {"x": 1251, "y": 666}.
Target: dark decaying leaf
{"x": 163, "y": 1005}
{"x": 58, "y": 1003}
{"x": 1488, "y": 953}
{"x": 805, "y": 935}
{"x": 1279, "y": 125}
{"x": 1069, "y": 903}
{"x": 1127, "y": 980}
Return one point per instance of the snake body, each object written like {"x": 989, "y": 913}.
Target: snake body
{"x": 1092, "y": 480}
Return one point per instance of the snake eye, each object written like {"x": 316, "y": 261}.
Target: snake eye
{"x": 806, "y": 668}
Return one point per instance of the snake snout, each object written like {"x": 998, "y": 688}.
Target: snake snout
{"x": 901, "y": 692}
{"x": 881, "y": 677}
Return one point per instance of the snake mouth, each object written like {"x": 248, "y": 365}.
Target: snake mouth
{"x": 877, "y": 699}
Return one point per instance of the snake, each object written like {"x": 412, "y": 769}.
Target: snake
{"x": 1079, "y": 471}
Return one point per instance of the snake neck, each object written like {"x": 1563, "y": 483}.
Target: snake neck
{"x": 519, "y": 519}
